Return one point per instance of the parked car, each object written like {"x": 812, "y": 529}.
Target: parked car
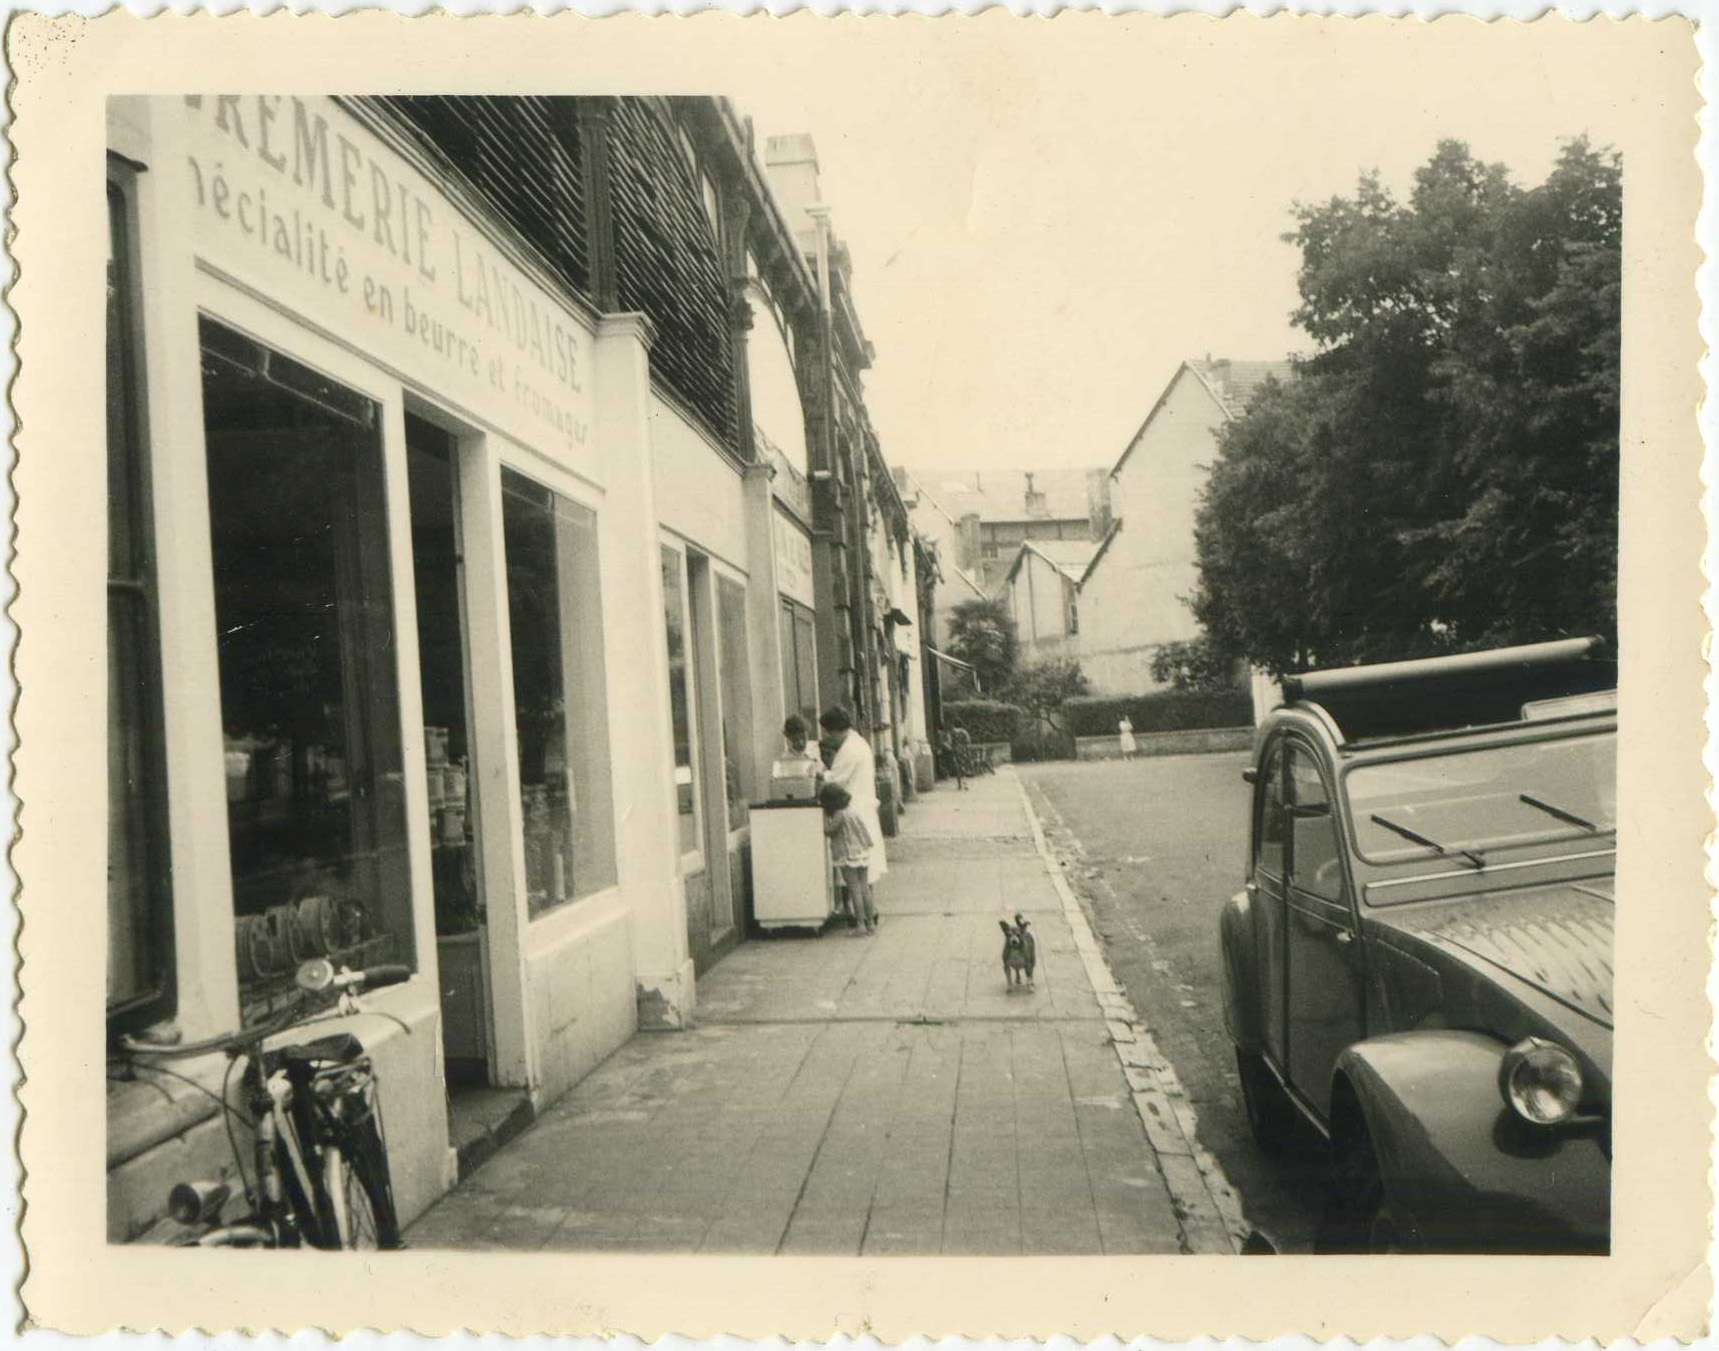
{"x": 1418, "y": 974}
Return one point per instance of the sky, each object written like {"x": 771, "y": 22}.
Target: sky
{"x": 1037, "y": 246}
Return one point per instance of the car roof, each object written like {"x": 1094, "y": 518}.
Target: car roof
{"x": 1398, "y": 701}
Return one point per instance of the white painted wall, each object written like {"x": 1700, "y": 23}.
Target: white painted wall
{"x": 698, "y": 490}
{"x": 1038, "y": 599}
{"x": 776, "y": 409}
{"x": 1131, "y": 603}
{"x": 569, "y": 984}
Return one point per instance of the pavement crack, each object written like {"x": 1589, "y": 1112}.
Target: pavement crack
{"x": 1080, "y": 1134}
{"x": 823, "y": 1138}
{"x": 954, "y": 1120}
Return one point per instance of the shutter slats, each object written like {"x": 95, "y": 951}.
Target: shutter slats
{"x": 526, "y": 163}
{"x": 526, "y": 171}
{"x": 668, "y": 265}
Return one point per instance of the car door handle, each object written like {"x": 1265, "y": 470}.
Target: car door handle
{"x": 1345, "y": 937}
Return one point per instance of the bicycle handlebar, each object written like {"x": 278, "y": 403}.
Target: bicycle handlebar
{"x": 376, "y": 977}
{"x": 372, "y": 978}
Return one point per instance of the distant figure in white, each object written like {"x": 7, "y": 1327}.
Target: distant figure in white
{"x": 852, "y": 766}
{"x": 1125, "y": 737}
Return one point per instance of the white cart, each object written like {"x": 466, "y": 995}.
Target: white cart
{"x": 792, "y": 885}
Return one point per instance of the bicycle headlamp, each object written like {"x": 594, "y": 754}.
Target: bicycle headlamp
{"x": 1541, "y": 1081}
{"x": 197, "y": 1202}
{"x": 316, "y": 975}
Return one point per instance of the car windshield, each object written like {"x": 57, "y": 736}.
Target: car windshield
{"x": 1467, "y": 802}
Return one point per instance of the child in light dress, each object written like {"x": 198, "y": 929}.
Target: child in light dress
{"x": 850, "y": 848}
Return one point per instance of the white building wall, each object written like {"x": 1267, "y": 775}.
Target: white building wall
{"x": 698, "y": 491}
{"x": 1039, "y": 601}
{"x": 573, "y": 407}
{"x": 1132, "y": 603}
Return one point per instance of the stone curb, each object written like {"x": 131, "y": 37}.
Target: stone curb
{"x": 1208, "y": 1209}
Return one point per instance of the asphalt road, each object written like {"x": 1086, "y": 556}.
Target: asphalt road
{"x": 1154, "y": 847}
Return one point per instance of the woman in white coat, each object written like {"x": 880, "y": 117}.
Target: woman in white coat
{"x": 852, "y": 766}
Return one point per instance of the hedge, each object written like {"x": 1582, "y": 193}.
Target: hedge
{"x": 1041, "y": 743}
{"x": 1167, "y": 711}
{"x": 984, "y": 719}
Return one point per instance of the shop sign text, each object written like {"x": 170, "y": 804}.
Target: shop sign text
{"x": 285, "y": 179}
{"x": 793, "y": 561}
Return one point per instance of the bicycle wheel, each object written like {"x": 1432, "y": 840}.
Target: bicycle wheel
{"x": 362, "y": 1214}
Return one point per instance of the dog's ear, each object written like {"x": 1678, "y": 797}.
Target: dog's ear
{"x": 1003, "y": 924}
{"x": 1019, "y": 922}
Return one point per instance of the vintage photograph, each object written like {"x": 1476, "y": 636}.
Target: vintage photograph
{"x": 1016, "y": 661}
{"x": 541, "y": 477}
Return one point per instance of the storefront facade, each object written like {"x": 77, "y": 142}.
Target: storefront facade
{"x": 455, "y": 606}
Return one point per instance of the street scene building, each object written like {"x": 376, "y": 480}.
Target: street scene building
{"x": 533, "y": 653}
{"x": 535, "y": 491}
{"x": 1134, "y": 594}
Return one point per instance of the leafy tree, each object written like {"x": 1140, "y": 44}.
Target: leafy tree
{"x": 982, "y": 633}
{"x": 1443, "y": 474}
{"x": 1041, "y": 689}
{"x": 1199, "y": 666}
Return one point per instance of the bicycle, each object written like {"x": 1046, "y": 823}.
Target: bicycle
{"x": 977, "y": 761}
{"x": 320, "y": 1157}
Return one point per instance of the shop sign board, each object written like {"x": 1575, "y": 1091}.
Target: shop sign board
{"x": 794, "y": 562}
{"x": 293, "y": 197}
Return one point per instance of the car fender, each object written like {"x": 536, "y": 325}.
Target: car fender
{"x": 1240, "y": 980}
{"x": 1460, "y": 1168}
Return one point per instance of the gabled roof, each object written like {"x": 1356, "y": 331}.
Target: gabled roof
{"x": 1234, "y": 383}
{"x": 1070, "y": 557}
{"x": 912, "y": 482}
{"x": 1001, "y": 494}
{"x": 1230, "y": 384}
{"x": 972, "y": 583}
{"x": 1103, "y": 548}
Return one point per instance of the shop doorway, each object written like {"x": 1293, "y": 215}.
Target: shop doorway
{"x": 455, "y": 806}
{"x": 712, "y": 757}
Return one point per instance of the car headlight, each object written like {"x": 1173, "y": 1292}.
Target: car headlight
{"x": 1541, "y": 1081}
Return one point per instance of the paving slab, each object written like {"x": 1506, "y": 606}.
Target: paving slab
{"x": 889, "y": 1095}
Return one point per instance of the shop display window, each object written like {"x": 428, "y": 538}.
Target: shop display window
{"x": 304, "y": 614}
{"x": 680, "y": 702}
{"x": 560, "y": 694}
{"x": 431, "y": 484}
{"x": 139, "y": 918}
{"x": 799, "y": 661}
{"x": 736, "y": 698}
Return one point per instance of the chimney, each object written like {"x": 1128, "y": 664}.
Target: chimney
{"x": 1219, "y": 371}
{"x": 1035, "y": 501}
{"x": 969, "y": 555}
{"x": 1098, "y": 501}
{"x": 791, "y": 163}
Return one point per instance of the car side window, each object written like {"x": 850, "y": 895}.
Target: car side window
{"x": 1269, "y": 839}
{"x": 1315, "y": 858}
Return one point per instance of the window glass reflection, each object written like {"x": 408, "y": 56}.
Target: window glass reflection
{"x": 674, "y": 623}
{"x": 559, "y": 693}
{"x": 309, "y": 694}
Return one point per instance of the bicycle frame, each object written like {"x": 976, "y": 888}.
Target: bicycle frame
{"x": 313, "y": 1117}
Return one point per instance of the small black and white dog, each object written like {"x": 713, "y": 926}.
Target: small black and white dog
{"x": 1020, "y": 953}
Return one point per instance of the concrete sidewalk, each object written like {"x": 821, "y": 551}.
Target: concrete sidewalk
{"x": 883, "y": 1095}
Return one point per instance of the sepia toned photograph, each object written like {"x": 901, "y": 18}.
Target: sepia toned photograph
{"x": 1347, "y": 613}
{"x": 1003, "y": 662}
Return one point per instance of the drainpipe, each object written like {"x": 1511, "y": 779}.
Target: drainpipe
{"x": 820, "y": 215}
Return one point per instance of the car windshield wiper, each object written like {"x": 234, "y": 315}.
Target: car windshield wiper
{"x": 1560, "y": 813}
{"x": 1418, "y": 838}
